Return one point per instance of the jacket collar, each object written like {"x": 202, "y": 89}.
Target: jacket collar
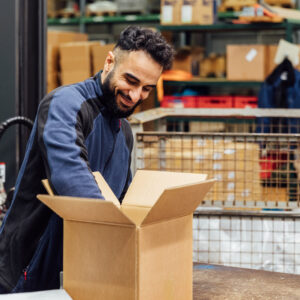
{"x": 115, "y": 123}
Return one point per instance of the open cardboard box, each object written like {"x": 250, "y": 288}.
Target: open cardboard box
{"x": 140, "y": 250}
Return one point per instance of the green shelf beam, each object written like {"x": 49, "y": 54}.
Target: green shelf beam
{"x": 122, "y": 19}
{"x": 63, "y": 21}
{"x": 227, "y": 26}
{"x": 213, "y": 82}
{"x": 105, "y": 19}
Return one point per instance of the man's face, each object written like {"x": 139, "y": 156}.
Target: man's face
{"x": 126, "y": 84}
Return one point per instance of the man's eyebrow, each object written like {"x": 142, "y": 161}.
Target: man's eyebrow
{"x": 132, "y": 77}
{"x": 137, "y": 80}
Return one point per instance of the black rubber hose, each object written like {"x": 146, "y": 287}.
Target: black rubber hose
{"x": 13, "y": 121}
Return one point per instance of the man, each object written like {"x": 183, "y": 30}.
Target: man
{"x": 78, "y": 130}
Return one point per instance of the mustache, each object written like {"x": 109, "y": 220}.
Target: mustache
{"x": 126, "y": 96}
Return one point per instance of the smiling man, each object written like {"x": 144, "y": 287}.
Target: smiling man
{"x": 79, "y": 129}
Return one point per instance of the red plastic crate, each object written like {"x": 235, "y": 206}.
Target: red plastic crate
{"x": 244, "y": 101}
{"x": 214, "y": 101}
{"x": 179, "y": 102}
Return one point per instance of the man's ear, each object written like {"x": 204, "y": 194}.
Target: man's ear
{"x": 109, "y": 62}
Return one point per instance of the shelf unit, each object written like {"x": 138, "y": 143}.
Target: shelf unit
{"x": 105, "y": 19}
{"x": 289, "y": 26}
{"x": 212, "y": 82}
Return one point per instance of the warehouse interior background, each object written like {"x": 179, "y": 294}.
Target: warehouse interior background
{"x": 223, "y": 111}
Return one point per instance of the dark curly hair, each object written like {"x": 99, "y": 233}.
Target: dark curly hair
{"x": 134, "y": 38}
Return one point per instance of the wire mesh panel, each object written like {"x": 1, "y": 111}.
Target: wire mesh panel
{"x": 250, "y": 218}
{"x": 251, "y": 169}
{"x": 259, "y": 242}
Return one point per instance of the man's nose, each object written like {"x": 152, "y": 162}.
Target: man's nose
{"x": 135, "y": 94}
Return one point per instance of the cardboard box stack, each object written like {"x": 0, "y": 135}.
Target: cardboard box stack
{"x": 179, "y": 12}
{"x": 75, "y": 62}
{"x": 99, "y": 54}
{"x": 142, "y": 249}
{"x": 56, "y": 38}
{"x": 235, "y": 165}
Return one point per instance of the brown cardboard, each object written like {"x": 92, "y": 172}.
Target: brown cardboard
{"x": 99, "y": 54}
{"x": 246, "y": 62}
{"x": 197, "y": 12}
{"x": 139, "y": 251}
{"x": 54, "y": 39}
{"x": 170, "y": 12}
{"x": 69, "y": 77}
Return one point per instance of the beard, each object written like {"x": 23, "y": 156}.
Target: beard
{"x": 110, "y": 99}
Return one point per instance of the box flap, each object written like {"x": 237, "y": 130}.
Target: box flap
{"x": 85, "y": 209}
{"x": 147, "y": 186}
{"x": 105, "y": 189}
{"x": 178, "y": 202}
{"x": 102, "y": 184}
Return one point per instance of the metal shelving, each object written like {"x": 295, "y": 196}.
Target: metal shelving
{"x": 212, "y": 82}
{"x": 105, "y": 19}
{"x": 289, "y": 26}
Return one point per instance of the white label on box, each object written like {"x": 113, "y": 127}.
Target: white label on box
{"x": 230, "y": 197}
{"x": 230, "y": 186}
{"x": 245, "y": 193}
{"x": 251, "y": 54}
{"x": 219, "y": 177}
{"x": 217, "y": 167}
{"x": 2, "y": 172}
{"x": 186, "y": 14}
{"x": 201, "y": 142}
{"x": 199, "y": 158}
{"x": 167, "y": 13}
{"x": 229, "y": 151}
{"x": 231, "y": 175}
{"x": 217, "y": 155}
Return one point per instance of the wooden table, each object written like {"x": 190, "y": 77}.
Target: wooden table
{"x": 227, "y": 283}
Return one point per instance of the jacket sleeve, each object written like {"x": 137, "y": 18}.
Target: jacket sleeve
{"x": 61, "y": 140}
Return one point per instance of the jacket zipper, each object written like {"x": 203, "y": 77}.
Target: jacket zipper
{"x": 113, "y": 149}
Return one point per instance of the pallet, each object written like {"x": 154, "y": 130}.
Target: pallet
{"x": 235, "y": 5}
{"x": 281, "y": 3}
{"x": 260, "y": 19}
{"x": 100, "y": 13}
{"x": 66, "y": 14}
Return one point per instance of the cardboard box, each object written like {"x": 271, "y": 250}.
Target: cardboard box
{"x": 75, "y": 61}
{"x": 99, "y": 54}
{"x": 140, "y": 250}
{"x": 197, "y": 12}
{"x": 69, "y": 77}
{"x": 170, "y": 12}
{"x": 246, "y": 62}
{"x": 56, "y": 38}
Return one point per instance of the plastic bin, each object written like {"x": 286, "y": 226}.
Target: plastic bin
{"x": 244, "y": 101}
{"x": 214, "y": 101}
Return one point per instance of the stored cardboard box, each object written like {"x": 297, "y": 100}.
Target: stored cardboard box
{"x": 139, "y": 250}
{"x": 246, "y": 62}
{"x": 99, "y": 54}
{"x": 197, "y": 12}
{"x": 170, "y": 12}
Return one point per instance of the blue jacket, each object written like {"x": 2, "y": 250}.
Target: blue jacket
{"x": 278, "y": 93}
{"x": 73, "y": 136}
